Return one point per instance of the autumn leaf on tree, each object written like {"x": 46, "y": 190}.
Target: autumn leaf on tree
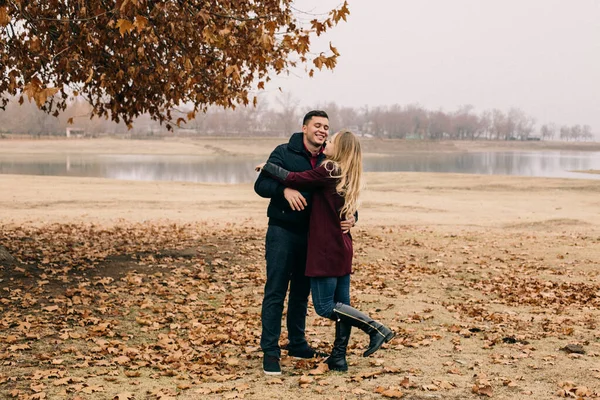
{"x": 150, "y": 57}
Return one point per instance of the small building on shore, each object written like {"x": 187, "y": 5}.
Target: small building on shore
{"x": 75, "y": 132}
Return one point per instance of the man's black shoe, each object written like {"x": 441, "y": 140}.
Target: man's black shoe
{"x": 271, "y": 365}
{"x": 306, "y": 352}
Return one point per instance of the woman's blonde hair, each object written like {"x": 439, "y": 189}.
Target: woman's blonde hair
{"x": 346, "y": 165}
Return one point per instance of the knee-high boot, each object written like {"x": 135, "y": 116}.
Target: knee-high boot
{"x": 378, "y": 333}
{"x": 337, "y": 359}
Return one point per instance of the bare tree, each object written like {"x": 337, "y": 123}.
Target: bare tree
{"x": 521, "y": 124}
{"x": 565, "y": 132}
{"x": 440, "y": 124}
{"x": 501, "y": 126}
{"x": 586, "y": 133}
{"x": 548, "y": 131}
{"x": 393, "y": 121}
{"x": 465, "y": 124}
{"x": 485, "y": 124}
{"x": 287, "y": 114}
{"x": 576, "y": 132}
{"x": 397, "y": 121}
{"x": 419, "y": 120}
{"x": 350, "y": 118}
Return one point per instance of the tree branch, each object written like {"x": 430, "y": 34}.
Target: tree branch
{"x": 72, "y": 19}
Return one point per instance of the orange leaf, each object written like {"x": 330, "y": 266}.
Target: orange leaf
{"x": 333, "y": 49}
{"x": 140, "y": 23}
{"x": 405, "y": 383}
{"x": 320, "y": 370}
{"x": 125, "y": 26}
{"x": 305, "y": 380}
{"x": 482, "y": 390}
{"x": 391, "y": 393}
{"x": 319, "y": 61}
{"x": 92, "y": 389}
{"x": 4, "y": 17}
{"x": 124, "y": 396}
{"x": 90, "y": 76}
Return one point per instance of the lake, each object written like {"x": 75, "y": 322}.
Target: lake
{"x": 556, "y": 164}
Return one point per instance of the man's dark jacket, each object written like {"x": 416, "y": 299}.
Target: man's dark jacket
{"x": 293, "y": 157}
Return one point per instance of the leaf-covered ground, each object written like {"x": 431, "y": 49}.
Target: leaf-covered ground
{"x": 157, "y": 311}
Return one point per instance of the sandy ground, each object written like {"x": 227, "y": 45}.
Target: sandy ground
{"x": 444, "y": 201}
{"x": 483, "y": 276}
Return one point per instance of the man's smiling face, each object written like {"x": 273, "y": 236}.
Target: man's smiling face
{"x": 316, "y": 131}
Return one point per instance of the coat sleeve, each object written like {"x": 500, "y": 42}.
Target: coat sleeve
{"x": 266, "y": 186}
{"x": 311, "y": 179}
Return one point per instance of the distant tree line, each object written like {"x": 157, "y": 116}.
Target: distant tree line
{"x": 392, "y": 121}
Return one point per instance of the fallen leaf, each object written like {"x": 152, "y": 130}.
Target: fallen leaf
{"x": 305, "y": 380}
{"x": 485, "y": 390}
{"x": 320, "y": 369}
{"x": 124, "y": 396}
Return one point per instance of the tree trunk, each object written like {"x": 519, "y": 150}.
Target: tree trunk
{"x": 5, "y": 257}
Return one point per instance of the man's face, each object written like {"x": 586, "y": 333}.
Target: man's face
{"x": 316, "y": 131}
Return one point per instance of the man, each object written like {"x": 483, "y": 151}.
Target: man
{"x": 286, "y": 243}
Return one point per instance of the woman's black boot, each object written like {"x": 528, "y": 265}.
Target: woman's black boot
{"x": 378, "y": 333}
{"x": 337, "y": 359}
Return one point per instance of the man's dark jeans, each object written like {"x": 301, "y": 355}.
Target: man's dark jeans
{"x": 285, "y": 253}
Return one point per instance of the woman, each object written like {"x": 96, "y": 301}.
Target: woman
{"x": 337, "y": 184}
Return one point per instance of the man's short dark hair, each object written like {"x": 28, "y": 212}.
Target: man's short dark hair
{"x": 314, "y": 113}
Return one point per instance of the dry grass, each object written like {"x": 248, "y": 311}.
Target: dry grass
{"x": 173, "y": 311}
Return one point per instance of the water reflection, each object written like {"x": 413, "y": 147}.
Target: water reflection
{"x": 240, "y": 170}
{"x": 542, "y": 164}
{"x": 138, "y": 168}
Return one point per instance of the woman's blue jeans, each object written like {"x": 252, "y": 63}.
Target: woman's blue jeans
{"x": 326, "y": 292}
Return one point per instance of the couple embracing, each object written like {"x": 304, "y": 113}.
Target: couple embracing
{"x": 313, "y": 184}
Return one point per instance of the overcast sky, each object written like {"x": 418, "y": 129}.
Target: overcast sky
{"x": 539, "y": 55}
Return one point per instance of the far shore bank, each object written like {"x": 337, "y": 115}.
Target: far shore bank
{"x": 256, "y": 146}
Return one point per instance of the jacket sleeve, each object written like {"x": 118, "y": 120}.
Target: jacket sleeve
{"x": 311, "y": 179}
{"x": 265, "y": 185}
{"x": 318, "y": 177}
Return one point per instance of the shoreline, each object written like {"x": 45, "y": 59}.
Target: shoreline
{"x": 262, "y": 146}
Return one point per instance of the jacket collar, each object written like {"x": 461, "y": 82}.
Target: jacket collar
{"x": 296, "y": 144}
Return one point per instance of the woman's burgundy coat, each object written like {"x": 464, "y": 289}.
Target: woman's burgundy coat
{"x": 329, "y": 250}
